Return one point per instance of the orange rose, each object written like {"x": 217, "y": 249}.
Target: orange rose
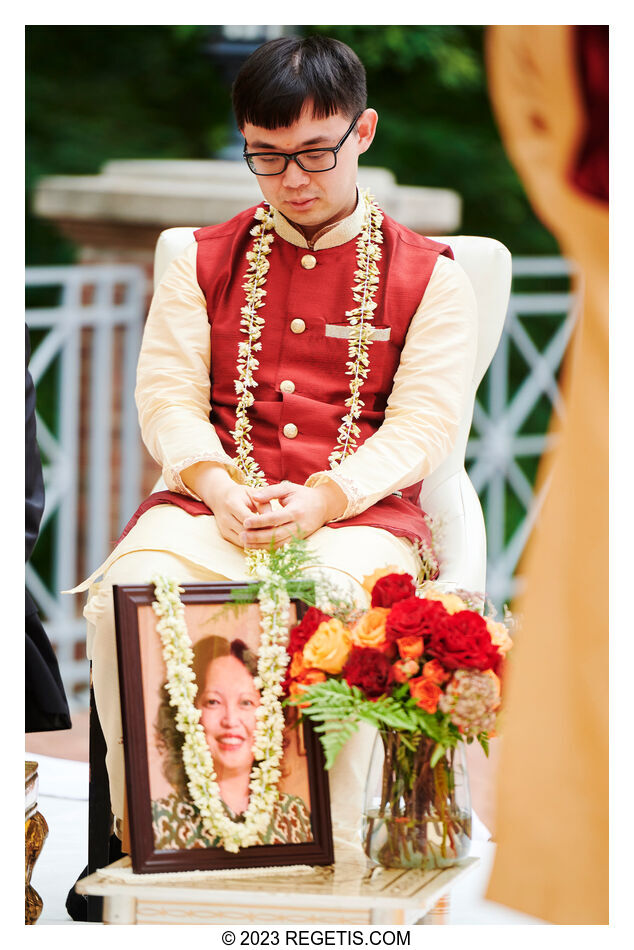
{"x": 410, "y": 647}
{"x": 369, "y": 631}
{"x": 426, "y": 693}
{"x": 313, "y": 676}
{"x": 329, "y": 647}
{"x": 435, "y": 671}
{"x": 297, "y": 666}
{"x": 403, "y": 670}
{"x": 370, "y": 579}
{"x": 310, "y": 677}
{"x": 499, "y": 636}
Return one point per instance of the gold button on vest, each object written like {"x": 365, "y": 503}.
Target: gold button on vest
{"x": 290, "y": 430}
{"x": 298, "y": 325}
{"x": 287, "y": 386}
{"x": 308, "y": 261}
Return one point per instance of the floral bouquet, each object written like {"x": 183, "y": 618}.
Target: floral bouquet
{"x": 423, "y": 667}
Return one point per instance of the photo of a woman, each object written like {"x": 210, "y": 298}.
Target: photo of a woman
{"x": 228, "y": 700}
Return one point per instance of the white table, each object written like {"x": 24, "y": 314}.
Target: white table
{"x": 346, "y": 893}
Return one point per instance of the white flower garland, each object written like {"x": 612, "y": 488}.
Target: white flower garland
{"x": 358, "y": 365}
{"x": 267, "y": 741}
{"x": 367, "y": 274}
{"x": 251, "y": 325}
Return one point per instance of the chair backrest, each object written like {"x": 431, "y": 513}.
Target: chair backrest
{"x": 448, "y": 495}
{"x": 170, "y": 244}
{"x": 487, "y": 264}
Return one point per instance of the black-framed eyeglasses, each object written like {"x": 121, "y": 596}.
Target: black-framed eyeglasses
{"x": 308, "y": 159}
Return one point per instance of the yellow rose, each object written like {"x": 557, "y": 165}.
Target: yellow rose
{"x": 329, "y": 647}
{"x": 451, "y": 602}
{"x": 370, "y": 630}
{"x": 499, "y": 636}
{"x": 370, "y": 579}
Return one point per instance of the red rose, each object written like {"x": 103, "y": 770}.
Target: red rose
{"x": 464, "y": 642}
{"x": 369, "y": 669}
{"x": 392, "y": 588}
{"x": 302, "y": 632}
{"x": 414, "y": 617}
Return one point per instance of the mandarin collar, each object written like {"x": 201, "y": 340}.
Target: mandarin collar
{"x": 331, "y": 236}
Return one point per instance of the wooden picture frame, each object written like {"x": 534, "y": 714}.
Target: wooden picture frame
{"x": 211, "y": 614}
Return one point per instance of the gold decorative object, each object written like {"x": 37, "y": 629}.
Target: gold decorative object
{"x": 35, "y": 834}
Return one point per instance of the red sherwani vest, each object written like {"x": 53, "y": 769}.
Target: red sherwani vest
{"x": 312, "y": 300}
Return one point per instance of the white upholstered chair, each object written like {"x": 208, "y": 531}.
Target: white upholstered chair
{"x": 447, "y": 494}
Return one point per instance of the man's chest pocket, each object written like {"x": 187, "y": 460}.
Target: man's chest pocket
{"x": 383, "y": 355}
{"x": 343, "y": 331}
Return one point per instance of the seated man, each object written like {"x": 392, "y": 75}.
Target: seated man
{"x": 303, "y": 366}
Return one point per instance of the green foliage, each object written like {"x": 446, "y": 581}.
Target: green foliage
{"x": 291, "y": 562}
{"x": 288, "y": 562}
{"x": 97, "y": 93}
{"x": 483, "y": 739}
{"x": 338, "y": 708}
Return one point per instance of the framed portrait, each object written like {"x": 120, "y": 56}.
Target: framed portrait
{"x": 166, "y": 830}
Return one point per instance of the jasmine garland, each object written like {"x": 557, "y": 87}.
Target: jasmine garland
{"x": 203, "y": 788}
{"x": 358, "y": 365}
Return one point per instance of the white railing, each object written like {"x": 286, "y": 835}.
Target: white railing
{"x": 88, "y": 342}
{"x": 503, "y": 432}
{"x": 80, "y": 333}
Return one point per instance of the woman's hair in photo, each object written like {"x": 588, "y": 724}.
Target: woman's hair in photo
{"x": 168, "y": 738}
{"x": 281, "y": 76}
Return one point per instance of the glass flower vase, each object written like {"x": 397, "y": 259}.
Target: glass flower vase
{"x": 415, "y": 815}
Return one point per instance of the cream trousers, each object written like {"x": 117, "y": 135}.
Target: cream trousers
{"x": 346, "y": 553}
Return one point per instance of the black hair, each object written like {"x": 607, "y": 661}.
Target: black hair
{"x": 281, "y": 76}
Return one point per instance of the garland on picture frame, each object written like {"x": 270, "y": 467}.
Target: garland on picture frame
{"x": 178, "y": 655}
{"x": 279, "y": 578}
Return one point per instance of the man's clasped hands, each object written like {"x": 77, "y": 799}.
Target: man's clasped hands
{"x": 255, "y": 517}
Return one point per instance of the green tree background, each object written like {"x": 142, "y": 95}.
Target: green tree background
{"x": 96, "y": 93}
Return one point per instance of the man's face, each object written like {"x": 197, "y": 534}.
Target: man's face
{"x": 313, "y": 199}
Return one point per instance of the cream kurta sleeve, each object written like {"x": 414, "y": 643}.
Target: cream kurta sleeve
{"x": 428, "y": 399}
{"x": 173, "y": 386}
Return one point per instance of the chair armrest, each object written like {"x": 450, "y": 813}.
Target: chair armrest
{"x": 455, "y": 506}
